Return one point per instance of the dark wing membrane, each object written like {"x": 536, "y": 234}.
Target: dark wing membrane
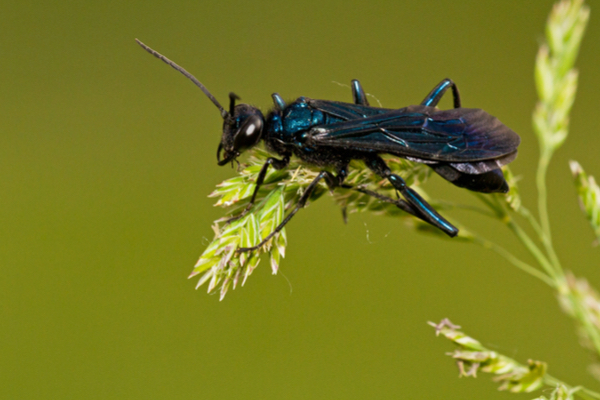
{"x": 346, "y": 111}
{"x": 459, "y": 135}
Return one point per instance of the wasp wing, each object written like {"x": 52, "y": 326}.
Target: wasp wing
{"x": 425, "y": 134}
{"x": 346, "y": 111}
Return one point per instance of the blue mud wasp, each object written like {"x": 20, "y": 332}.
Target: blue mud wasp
{"x": 465, "y": 146}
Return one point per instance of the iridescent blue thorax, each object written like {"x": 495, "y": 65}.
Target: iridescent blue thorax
{"x": 287, "y": 125}
{"x": 287, "y": 130}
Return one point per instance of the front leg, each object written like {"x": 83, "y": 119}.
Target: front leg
{"x": 277, "y": 164}
{"x": 424, "y": 210}
{"x": 332, "y": 182}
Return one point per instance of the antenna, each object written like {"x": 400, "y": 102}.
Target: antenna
{"x": 191, "y": 77}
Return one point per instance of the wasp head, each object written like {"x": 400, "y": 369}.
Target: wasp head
{"x": 242, "y": 125}
{"x": 242, "y": 129}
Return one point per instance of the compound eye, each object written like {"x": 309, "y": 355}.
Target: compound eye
{"x": 249, "y": 133}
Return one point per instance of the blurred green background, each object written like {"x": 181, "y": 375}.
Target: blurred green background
{"x": 107, "y": 157}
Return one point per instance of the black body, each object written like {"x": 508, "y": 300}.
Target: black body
{"x": 465, "y": 146}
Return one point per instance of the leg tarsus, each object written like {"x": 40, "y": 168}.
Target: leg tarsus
{"x": 424, "y": 210}
{"x": 331, "y": 183}
{"x": 345, "y": 215}
{"x": 277, "y": 164}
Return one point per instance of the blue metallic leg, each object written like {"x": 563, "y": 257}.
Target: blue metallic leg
{"x": 277, "y": 164}
{"x": 332, "y": 182}
{"x": 433, "y": 98}
{"x": 401, "y": 204}
{"x": 278, "y": 100}
{"x": 423, "y": 210}
{"x": 358, "y": 94}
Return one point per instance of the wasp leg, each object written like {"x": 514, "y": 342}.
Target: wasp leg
{"x": 358, "y": 94}
{"x": 278, "y": 100}
{"x": 332, "y": 182}
{"x": 433, "y": 98}
{"x": 401, "y": 204}
{"x": 424, "y": 210}
{"x": 277, "y": 164}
